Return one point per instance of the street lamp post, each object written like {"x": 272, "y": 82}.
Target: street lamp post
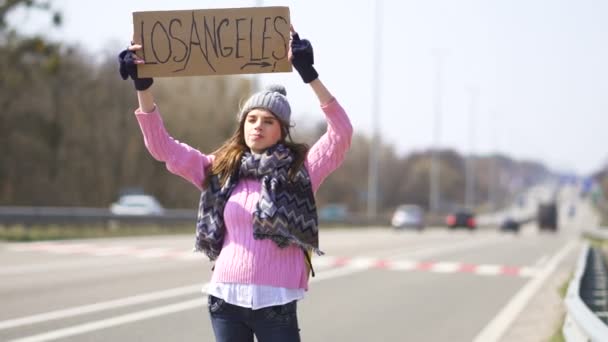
{"x": 434, "y": 179}
{"x": 255, "y": 78}
{"x": 470, "y": 160}
{"x": 372, "y": 193}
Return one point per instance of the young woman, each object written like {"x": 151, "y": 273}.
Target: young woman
{"x": 257, "y": 217}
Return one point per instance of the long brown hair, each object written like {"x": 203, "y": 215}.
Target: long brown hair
{"x": 228, "y": 156}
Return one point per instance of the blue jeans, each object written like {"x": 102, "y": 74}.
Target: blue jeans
{"x": 232, "y": 323}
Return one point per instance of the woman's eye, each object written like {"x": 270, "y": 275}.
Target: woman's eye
{"x": 269, "y": 122}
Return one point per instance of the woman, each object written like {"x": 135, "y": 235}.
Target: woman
{"x": 257, "y": 217}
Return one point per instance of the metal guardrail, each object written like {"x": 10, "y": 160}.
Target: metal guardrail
{"x": 44, "y": 216}
{"x": 587, "y": 299}
{"x": 80, "y": 215}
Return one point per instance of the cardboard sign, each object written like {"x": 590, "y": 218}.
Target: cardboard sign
{"x": 213, "y": 42}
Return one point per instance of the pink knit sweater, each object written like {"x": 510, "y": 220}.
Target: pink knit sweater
{"x": 243, "y": 259}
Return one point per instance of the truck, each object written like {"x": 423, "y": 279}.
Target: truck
{"x": 547, "y": 216}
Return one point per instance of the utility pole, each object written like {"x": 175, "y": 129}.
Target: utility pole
{"x": 255, "y": 78}
{"x": 434, "y": 179}
{"x": 492, "y": 187}
{"x": 372, "y": 186}
{"x": 470, "y": 160}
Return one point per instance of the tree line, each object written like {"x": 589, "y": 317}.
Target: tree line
{"x": 70, "y": 138}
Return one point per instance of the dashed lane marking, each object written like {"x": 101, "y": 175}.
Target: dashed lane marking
{"x": 428, "y": 266}
{"x": 444, "y": 267}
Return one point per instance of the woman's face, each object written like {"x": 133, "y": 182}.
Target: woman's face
{"x": 262, "y": 129}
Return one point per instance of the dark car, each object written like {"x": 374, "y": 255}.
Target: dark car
{"x": 510, "y": 225}
{"x": 464, "y": 219}
{"x": 334, "y": 212}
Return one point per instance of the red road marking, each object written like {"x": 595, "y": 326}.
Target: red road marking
{"x": 468, "y": 268}
{"x": 341, "y": 262}
{"x": 429, "y": 266}
{"x": 382, "y": 264}
{"x": 424, "y": 266}
{"x": 509, "y": 270}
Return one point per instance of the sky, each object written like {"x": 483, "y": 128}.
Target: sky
{"x": 525, "y": 78}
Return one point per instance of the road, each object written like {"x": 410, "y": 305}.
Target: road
{"x": 374, "y": 284}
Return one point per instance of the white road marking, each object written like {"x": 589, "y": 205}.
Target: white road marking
{"x": 188, "y": 255}
{"x": 101, "y": 306}
{"x": 359, "y": 265}
{"x": 446, "y": 267}
{"x": 528, "y": 271}
{"x": 362, "y": 262}
{"x": 541, "y": 261}
{"x": 405, "y": 265}
{"x": 497, "y": 327}
{"x": 488, "y": 269}
{"x": 154, "y": 312}
{"x": 110, "y": 322}
{"x": 56, "y": 266}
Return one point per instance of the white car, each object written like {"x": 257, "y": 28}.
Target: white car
{"x": 408, "y": 216}
{"x": 136, "y": 205}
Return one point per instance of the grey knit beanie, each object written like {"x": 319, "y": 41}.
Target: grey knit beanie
{"x": 274, "y": 99}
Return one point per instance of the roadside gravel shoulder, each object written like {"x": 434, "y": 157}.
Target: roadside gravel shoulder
{"x": 544, "y": 314}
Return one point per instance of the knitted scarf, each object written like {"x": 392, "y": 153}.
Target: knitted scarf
{"x": 285, "y": 213}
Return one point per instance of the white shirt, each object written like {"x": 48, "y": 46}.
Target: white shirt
{"x": 254, "y": 296}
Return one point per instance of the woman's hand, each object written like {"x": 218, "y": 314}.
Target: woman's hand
{"x": 302, "y": 57}
{"x": 128, "y": 60}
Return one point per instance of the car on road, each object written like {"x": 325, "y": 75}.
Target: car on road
{"x": 333, "y": 212}
{"x": 408, "y": 216}
{"x": 521, "y": 201}
{"x": 461, "y": 219}
{"x": 139, "y": 204}
{"x": 510, "y": 225}
{"x": 571, "y": 210}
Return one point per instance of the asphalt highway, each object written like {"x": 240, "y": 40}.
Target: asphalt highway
{"x": 374, "y": 284}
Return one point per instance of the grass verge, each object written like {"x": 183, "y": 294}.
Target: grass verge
{"x": 558, "y": 336}
{"x": 65, "y": 232}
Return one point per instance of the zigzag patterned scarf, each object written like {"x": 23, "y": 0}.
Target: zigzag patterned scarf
{"x": 286, "y": 212}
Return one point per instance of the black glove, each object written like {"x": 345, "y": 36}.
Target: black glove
{"x": 126, "y": 59}
{"x": 303, "y": 58}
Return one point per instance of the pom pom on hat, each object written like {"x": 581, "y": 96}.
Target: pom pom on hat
{"x": 277, "y": 88}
